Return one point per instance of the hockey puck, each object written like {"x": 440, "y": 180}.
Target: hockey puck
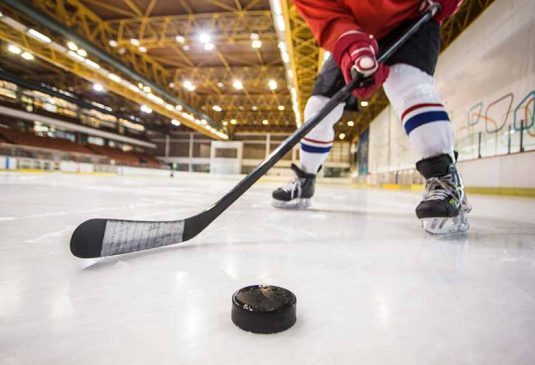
{"x": 263, "y": 309}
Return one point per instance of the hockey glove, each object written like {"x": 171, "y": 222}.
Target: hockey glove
{"x": 355, "y": 52}
{"x": 447, "y": 8}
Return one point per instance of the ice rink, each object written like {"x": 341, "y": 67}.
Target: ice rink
{"x": 372, "y": 288}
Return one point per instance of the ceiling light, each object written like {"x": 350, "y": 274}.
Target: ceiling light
{"x": 134, "y": 41}
{"x": 279, "y": 21}
{"x": 209, "y": 46}
{"x": 188, "y": 85}
{"x": 14, "y": 49}
{"x": 115, "y": 78}
{"x": 146, "y": 109}
{"x": 172, "y": 85}
{"x": 142, "y": 49}
{"x": 350, "y": 123}
{"x": 205, "y": 37}
{"x": 186, "y": 48}
{"x": 265, "y": 122}
{"x": 175, "y": 122}
{"x": 82, "y": 52}
{"x": 254, "y": 107}
{"x": 133, "y": 88}
{"x": 98, "y": 87}
{"x": 255, "y": 36}
{"x": 178, "y": 107}
{"x": 281, "y": 107}
{"x": 233, "y": 121}
{"x": 272, "y": 84}
{"x": 225, "y": 123}
{"x": 92, "y": 64}
{"x": 113, "y": 43}
{"x": 364, "y": 103}
{"x": 39, "y": 36}
{"x": 155, "y": 98}
{"x": 342, "y": 136}
{"x": 169, "y": 107}
{"x": 204, "y": 122}
{"x": 27, "y": 56}
{"x": 217, "y": 108}
{"x": 76, "y": 56}
{"x": 256, "y": 43}
{"x": 219, "y": 84}
{"x": 72, "y": 46}
{"x": 284, "y": 53}
{"x": 140, "y": 85}
{"x": 147, "y": 89}
{"x": 180, "y": 39}
{"x": 237, "y": 84}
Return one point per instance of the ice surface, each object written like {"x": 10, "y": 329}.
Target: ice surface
{"x": 371, "y": 287}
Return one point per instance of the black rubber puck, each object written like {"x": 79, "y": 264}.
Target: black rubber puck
{"x": 264, "y": 308}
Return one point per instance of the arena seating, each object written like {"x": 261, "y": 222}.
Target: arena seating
{"x": 120, "y": 157}
{"x": 28, "y": 139}
{"x": 125, "y": 158}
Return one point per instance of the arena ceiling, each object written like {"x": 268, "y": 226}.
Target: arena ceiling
{"x": 217, "y": 66}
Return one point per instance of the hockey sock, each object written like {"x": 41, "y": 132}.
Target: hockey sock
{"x": 316, "y": 145}
{"x": 415, "y": 99}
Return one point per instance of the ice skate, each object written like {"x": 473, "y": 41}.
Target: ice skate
{"x": 444, "y": 207}
{"x": 297, "y": 193}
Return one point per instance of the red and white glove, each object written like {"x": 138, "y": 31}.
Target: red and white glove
{"x": 447, "y": 8}
{"x": 356, "y": 52}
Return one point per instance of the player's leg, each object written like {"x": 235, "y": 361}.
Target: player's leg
{"x": 315, "y": 147}
{"x": 412, "y": 92}
{"x": 415, "y": 99}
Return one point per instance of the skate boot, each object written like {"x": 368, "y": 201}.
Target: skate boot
{"x": 444, "y": 206}
{"x": 297, "y": 193}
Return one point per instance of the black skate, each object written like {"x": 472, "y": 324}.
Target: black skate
{"x": 444, "y": 206}
{"x": 297, "y": 193}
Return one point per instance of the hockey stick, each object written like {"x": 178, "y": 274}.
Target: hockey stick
{"x": 106, "y": 237}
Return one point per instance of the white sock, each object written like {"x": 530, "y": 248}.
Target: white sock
{"x": 316, "y": 145}
{"x": 415, "y": 99}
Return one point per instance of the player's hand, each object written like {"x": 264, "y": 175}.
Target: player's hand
{"x": 447, "y": 8}
{"x": 356, "y": 53}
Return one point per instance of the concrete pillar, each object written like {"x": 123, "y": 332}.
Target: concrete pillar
{"x": 190, "y": 152}
{"x": 166, "y": 145}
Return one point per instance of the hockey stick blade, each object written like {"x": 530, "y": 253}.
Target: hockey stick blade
{"x": 107, "y": 237}
{"x": 100, "y": 237}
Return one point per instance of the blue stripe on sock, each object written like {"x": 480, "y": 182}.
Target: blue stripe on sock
{"x": 314, "y": 149}
{"x": 424, "y": 118}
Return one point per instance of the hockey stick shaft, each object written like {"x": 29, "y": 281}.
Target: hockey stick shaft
{"x": 341, "y": 96}
{"x": 105, "y": 237}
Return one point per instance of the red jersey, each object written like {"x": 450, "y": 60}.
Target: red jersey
{"x": 328, "y": 19}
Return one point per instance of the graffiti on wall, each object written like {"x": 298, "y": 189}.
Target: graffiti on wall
{"x": 501, "y": 113}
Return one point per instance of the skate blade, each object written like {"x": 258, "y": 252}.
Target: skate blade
{"x": 440, "y": 226}
{"x": 300, "y": 203}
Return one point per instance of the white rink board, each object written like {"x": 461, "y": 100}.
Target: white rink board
{"x": 8, "y": 163}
